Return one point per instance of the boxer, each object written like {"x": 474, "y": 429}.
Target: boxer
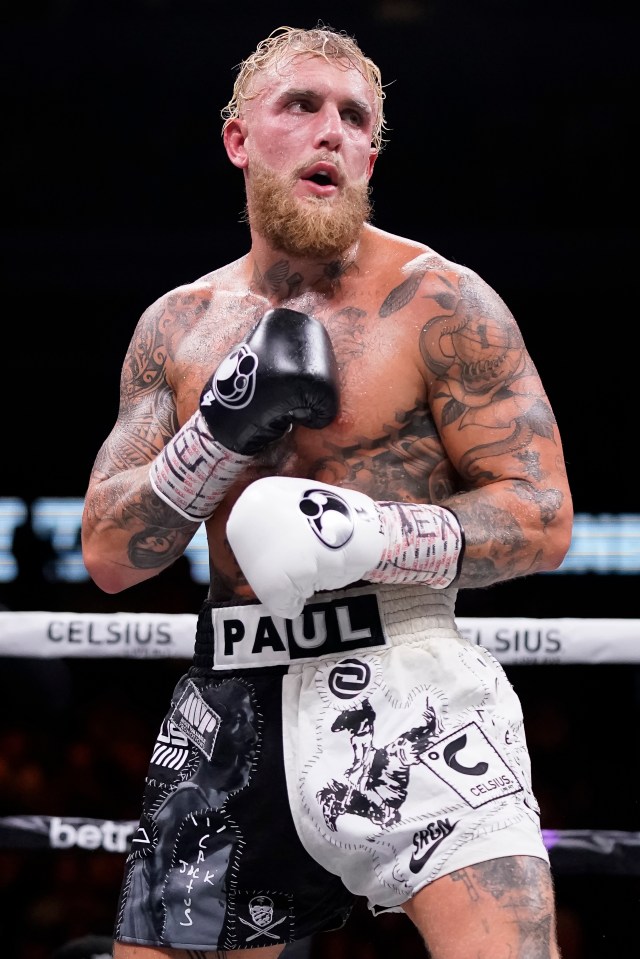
{"x": 360, "y": 427}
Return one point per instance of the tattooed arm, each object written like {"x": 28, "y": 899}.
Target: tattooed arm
{"x": 128, "y": 533}
{"x": 500, "y": 434}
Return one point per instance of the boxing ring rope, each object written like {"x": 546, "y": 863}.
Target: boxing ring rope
{"x": 512, "y": 640}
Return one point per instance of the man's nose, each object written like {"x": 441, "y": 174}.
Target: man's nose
{"x": 329, "y": 133}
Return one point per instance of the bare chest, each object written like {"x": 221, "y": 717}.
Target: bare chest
{"x": 383, "y": 440}
{"x": 378, "y": 360}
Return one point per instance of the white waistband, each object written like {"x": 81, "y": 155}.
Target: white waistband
{"x": 331, "y": 624}
{"x": 417, "y": 609}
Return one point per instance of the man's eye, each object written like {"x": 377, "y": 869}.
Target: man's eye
{"x": 352, "y": 116}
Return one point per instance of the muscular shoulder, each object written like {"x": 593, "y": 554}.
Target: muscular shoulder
{"x": 178, "y": 335}
{"x": 193, "y": 313}
{"x": 422, "y": 282}
{"x": 184, "y": 307}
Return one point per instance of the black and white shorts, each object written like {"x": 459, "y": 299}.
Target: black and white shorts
{"x": 364, "y": 749}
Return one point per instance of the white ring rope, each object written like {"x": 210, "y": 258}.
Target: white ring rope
{"x": 512, "y": 640}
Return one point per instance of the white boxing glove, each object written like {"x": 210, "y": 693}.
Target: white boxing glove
{"x": 293, "y": 537}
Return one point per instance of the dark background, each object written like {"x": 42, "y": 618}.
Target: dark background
{"x": 512, "y": 149}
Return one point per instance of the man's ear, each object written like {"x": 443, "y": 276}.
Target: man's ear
{"x": 373, "y": 156}
{"x": 234, "y": 139}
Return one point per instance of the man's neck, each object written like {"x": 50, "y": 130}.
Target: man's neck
{"x": 279, "y": 275}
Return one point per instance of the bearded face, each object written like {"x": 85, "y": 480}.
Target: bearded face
{"x": 311, "y": 227}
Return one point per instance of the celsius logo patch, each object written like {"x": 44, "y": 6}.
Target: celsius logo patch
{"x": 427, "y": 841}
{"x": 348, "y": 678}
{"x": 329, "y": 517}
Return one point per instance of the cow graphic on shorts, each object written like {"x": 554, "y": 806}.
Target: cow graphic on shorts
{"x": 377, "y": 780}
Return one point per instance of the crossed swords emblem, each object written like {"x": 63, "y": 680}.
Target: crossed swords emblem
{"x": 259, "y": 931}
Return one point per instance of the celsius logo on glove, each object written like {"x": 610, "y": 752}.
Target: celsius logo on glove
{"x": 329, "y": 517}
{"x": 234, "y": 382}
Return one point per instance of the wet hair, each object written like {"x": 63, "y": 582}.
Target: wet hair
{"x": 320, "y": 40}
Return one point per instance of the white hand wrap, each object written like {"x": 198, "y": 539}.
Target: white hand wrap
{"x": 193, "y": 472}
{"x": 293, "y": 537}
{"x": 424, "y": 545}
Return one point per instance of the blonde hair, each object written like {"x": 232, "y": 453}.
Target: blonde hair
{"x": 321, "y": 40}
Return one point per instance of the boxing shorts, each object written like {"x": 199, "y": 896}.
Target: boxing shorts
{"x": 363, "y": 749}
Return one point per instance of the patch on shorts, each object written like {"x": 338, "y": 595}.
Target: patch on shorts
{"x": 349, "y": 678}
{"x": 471, "y": 765}
{"x": 171, "y": 748}
{"x": 427, "y": 840}
{"x": 144, "y": 839}
{"x": 197, "y": 720}
{"x": 261, "y": 919}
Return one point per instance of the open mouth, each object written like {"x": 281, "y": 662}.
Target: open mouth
{"x": 322, "y": 174}
{"x": 322, "y": 178}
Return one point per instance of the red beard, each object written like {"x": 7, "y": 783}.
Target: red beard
{"x": 313, "y": 227}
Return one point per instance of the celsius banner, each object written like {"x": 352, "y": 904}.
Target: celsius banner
{"x": 515, "y": 640}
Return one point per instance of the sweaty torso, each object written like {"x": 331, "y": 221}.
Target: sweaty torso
{"x": 383, "y": 441}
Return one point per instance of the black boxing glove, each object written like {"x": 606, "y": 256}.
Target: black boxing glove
{"x": 284, "y": 373}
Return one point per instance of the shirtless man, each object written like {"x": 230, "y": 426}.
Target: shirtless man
{"x": 361, "y": 428}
